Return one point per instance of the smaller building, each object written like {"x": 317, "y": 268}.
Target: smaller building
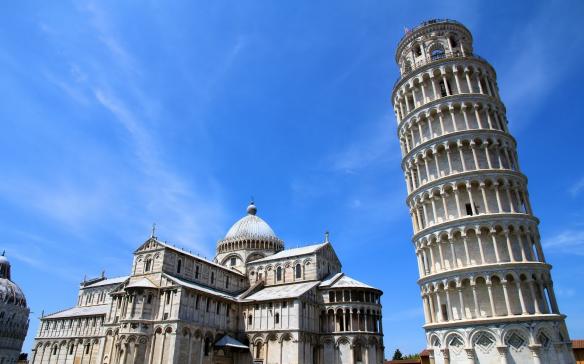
{"x": 13, "y": 315}
{"x": 578, "y": 348}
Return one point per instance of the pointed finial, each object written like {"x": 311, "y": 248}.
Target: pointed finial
{"x": 3, "y": 252}
{"x": 153, "y": 233}
{"x": 103, "y": 274}
{"x": 326, "y": 236}
{"x": 84, "y": 278}
{"x": 43, "y": 314}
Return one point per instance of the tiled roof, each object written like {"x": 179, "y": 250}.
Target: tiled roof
{"x": 230, "y": 342}
{"x": 166, "y": 245}
{"x": 341, "y": 280}
{"x": 200, "y": 288}
{"x": 577, "y": 344}
{"x": 142, "y": 283}
{"x": 309, "y": 249}
{"x": 80, "y": 311}
{"x": 330, "y": 279}
{"x": 281, "y": 291}
{"x": 107, "y": 282}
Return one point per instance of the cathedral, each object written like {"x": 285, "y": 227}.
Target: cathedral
{"x": 256, "y": 302}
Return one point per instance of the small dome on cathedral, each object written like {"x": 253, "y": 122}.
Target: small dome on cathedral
{"x": 250, "y": 227}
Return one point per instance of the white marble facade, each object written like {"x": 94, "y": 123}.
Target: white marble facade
{"x": 486, "y": 287}
{"x": 255, "y": 303}
{"x": 13, "y": 315}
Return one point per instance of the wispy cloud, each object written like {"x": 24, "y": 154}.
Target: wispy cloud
{"x": 568, "y": 241}
{"x": 577, "y": 187}
{"x": 535, "y": 69}
{"x": 376, "y": 145}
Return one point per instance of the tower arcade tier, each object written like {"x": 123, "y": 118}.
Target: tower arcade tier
{"x": 485, "y": 285}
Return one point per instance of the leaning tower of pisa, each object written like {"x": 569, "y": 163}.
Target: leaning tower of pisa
{"x": 486, "y": 287}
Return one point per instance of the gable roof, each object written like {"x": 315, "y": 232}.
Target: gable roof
{"x": 281, "y": 291}
{"x": 107, "y": 282}
{"x": 199, "y": 287}
{"x": 230, "y": 342}
{"x": 196, "y": 257}
{"x": 142, "y": 283}
{"x": 80, "y": 311}
{"x": 341, "y": 280}
{"x": 294, "y": 252}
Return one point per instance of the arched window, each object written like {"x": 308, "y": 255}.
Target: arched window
{"x": 249, "y": 319}
{"x": 207, "y": 346}
{"x": 277, "y": 318}
{"x": 148, "y": 265}
{"x": 279, "y": 274}
{"x": 54, "y": 350}
{"x": 437, "y": 53}
{"x": 227, "y": 282}
{"x": 358, "y": 354}
{"x": 407, "y": 66}
{"x": 212, "y": 277}
{"x": 179, "y": 265}
{"x": 417, "y": 50}
{"x": 233, "y": 261}
{"x": 298, "y": 271}
{"x": 258, "y": 350}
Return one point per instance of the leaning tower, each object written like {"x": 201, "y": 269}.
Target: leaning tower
{"x": 486, "y": 287}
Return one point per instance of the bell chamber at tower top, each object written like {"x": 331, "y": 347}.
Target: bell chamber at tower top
{"x": 422, "y": 45}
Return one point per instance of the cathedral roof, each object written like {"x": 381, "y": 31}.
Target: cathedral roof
{"x": 341, "y": 280}
{"x": 199, "y": 287}
{"x": 294, "y": 252}
{"x": 250, "y": 227}
{"x": 228, "y": 341}
{"x": 282, "y": 291}
{"x": 107, "y": 282}
{"x": 142, "y": 283}
{"x": 80, "y": 311}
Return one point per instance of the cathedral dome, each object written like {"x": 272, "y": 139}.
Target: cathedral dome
{"x": 250, "y": 227}
{"x": 248, "y": 234}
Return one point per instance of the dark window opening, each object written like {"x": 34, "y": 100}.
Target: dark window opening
{"x": 469, "y": 210}
{"x": 418, "y": 51}
{"x": 298, "y": 271}
{"x": 277, "y": 318}
{"x": 179, "y": 266}
{"x": 444, "y": 313}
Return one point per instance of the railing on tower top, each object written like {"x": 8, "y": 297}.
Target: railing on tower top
{"x": 409, "y": 31}
{"x": 436, "y": 57}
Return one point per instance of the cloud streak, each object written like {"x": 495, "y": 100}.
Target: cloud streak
{"x": 568, "y": 241}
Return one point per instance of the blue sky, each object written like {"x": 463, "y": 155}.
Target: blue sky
{"x": 115, "y": 115}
